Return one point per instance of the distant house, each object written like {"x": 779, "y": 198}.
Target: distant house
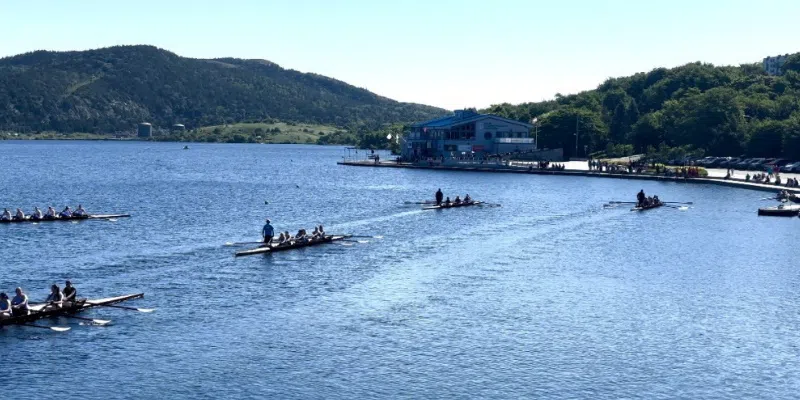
{"x": 466, "y": 133}
{"x": 772, "y": 65}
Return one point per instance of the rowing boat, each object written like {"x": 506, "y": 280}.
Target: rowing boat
{"x": 290, "y": 246}
{"x": 36, "y": 312}
{"x": 73, "y": 218}
{"x": 780, "y": 211}
{"x": 452, "y": 205}
{"x": 643, "y": 208}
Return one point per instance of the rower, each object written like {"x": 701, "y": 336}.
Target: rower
{"x": 70, "y": 293}
{"x": 37, "y": 214}
{"x": 457, "y": 200}
{"x": 55, "y": 298}
{"x": 51, "y": 213}
{"x": 315, "y": 234}
{"x": 79, "y": 212}
{"x": 5, "y": 306}
{"x": 447, "y": 201}
{"x": 66, "y": 213}
{"x": 656, "y": 200}
{"x": 439, "y": 196}
{"x": 19, "y": 304}
{"x": 301, "y": 235}
{"x": 281, "y": 238}
{"x": 467, "y": 199}
{"x": 20, "y": 216}
{"x": 640, "y": 197}
{"x": 6, "y": 215}
{"x": 322, "y": 231}
{"x": 268, "y": 232}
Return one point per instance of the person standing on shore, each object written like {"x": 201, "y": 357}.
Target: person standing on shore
{"x": 439, "y": 197}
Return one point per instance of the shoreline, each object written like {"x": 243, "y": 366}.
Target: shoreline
{"x": 735, "y": 183}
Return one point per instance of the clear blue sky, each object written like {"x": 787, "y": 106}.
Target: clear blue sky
{"x": 445, "y": 53}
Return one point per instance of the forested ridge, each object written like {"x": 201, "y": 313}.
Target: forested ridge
{"x": 723, "y": 111}
{"x": 112, "y": 89}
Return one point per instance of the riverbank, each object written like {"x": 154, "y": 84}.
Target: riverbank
{"x": 572, "y": 168}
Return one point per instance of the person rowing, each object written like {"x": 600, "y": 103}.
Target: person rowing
{"x": 6, "y": 215}
{"x": 457, "y": 200}
{"x": 66, "y": 212}
{"x": 322, "y": 231}
{"x": 439, "y": 196}
{"x": 640, "y": 198}
{"x": 281, "y": 239}
{"x": 70, "y": 294}
{"x": 80, "y": 212}
{"x": 656, "y": 200}
{"x": 268, "y": 232}
{"x": 315, "y": 234}
{"x": 447, "y": 201}
{"x": 301, "y": 236}
{"x": 20, "y": 215}
{"x": 5, "y": 306}
{"x": 51, "y": 213}
{"x": 467, "y": 199}
{"x": 37, "y": 214}
{"x": 19, "y": 304}
{"x": 55, "y": 299}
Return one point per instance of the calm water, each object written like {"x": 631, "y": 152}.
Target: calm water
{"x": 549, "y": 296}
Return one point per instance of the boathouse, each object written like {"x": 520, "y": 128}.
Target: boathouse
{"x": 466, "y": 133}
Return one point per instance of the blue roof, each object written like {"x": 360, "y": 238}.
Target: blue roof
{"x": 459, "y": 119}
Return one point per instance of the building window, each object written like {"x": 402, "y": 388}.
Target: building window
{"x": 487, "y": 135}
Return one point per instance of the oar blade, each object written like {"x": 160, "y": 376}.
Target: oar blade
{"x": 101, "y": 321}
{"x": 59, "y": 328}
{"x": 145, "y": 310}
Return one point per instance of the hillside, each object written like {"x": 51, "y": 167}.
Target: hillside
{"x": 112, "y": 89}
{"x": 724, "y": 111}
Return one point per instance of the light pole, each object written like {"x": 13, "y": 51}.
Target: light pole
{"x": 577, "y": 129}
{"x": 536, "y": 130}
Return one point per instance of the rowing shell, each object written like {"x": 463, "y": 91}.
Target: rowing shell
{"x": 637, "y": 208}
{"x": 293, "y": 245}
{"x": 98, "y": 216}
{"x": 452, "y": 205}
{"x": 80, "y": 305}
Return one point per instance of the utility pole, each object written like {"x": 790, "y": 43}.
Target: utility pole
{"x": 536, "y": 129}
{"x": 577, "y": 129}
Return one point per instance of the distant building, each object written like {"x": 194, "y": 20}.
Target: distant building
{"x": 178, "y": 127}
{"x": 145, "y": 130}
{"x": 772, "y": 65}
{"x": 466, "y": 133}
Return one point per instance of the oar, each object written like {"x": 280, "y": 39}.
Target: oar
{"x": 242, "y": 243}
{"x": 623, "y": 202}
{"x": 144, "y": 310}
{"x": 52, "y": 328}
{"x": 363, "y": 236}
{"x": 677, "y": 202}
{"x": 94, "y": 321}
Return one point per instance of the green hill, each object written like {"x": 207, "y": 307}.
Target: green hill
{"x": 112, "y": 89}
{"x": 724, "y": 111}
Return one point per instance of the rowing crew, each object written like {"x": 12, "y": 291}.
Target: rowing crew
{"x": 18, "y": 305}
{"x": 646, "y": 201}
{"x": 439, "y": 195}
{"x": 268, "y": 232}
{"x": 50, "y": 214}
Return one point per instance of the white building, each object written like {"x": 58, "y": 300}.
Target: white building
{"x": 466, "y": 133}
{"x": 772, "y": 65}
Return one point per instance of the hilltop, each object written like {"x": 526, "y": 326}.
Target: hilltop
{"x": 695, "y": 108}
{"x": 112, "y": 89}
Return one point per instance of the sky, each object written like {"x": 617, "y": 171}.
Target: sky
{"x": 445, "y": 53}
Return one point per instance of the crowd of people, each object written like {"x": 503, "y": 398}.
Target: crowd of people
{"x": 38, "y": 215}
{"x": 19, "y": 306}
{"x": 285, "y": 238}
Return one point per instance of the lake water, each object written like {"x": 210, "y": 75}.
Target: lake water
{"x": 549, "y": 296}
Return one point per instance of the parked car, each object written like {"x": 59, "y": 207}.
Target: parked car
{"x": 756, "y": 164}
{"x": 791, "y": 167}
{"x": 718, "y": 162}
{"x": 730, "y": 163}
{"x": 744, "y": 163}
{"x": 705, "y": 160}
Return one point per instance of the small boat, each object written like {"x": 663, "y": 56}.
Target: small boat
{"x": 59, "y": 218}
{"x": 648, "y": 207}
{"x": 186, "y": 147}
{"x": 782, "y": 210}
{"x": 292, "y": 245}
{"x": 36, "y": 312}
{"x": 453, "y": 205}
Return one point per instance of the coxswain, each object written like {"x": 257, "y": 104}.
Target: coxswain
{"x": 457, "y": 200}
{"x": 6, "y": 215}
{"x": 20, "y": 216}
{"x": 51, "y": 213}
{"x": 79, "y": 212}
{"x": 640, "y": 197}
{"x": 70, "y": 294}
{"x": 66, "y": 212}
{"x": 37, "y": 214}
{"x": 19, "y": 304}
{"x": 5, "y": 306}
{"x": 467, "y": 199}
{"x": 439, "y": 196}
{"x": 268, "y": 232}
{"x": 55, "y": 298}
